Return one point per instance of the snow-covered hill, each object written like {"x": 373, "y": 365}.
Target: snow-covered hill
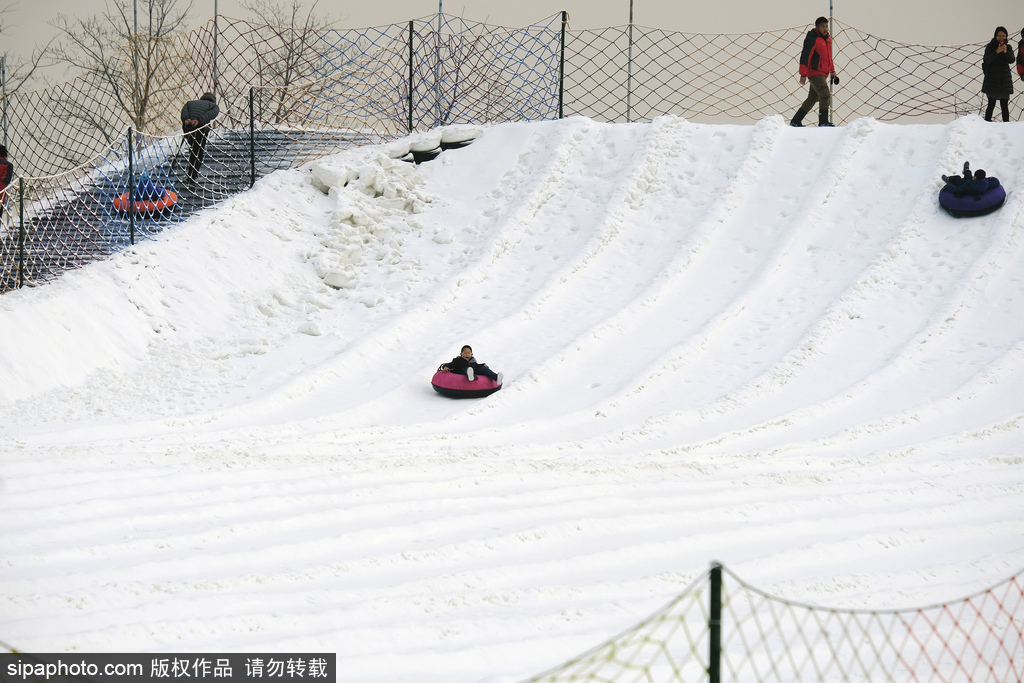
{"x": 755, "y": 344}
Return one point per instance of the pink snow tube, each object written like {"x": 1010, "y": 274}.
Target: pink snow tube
{"x": 454, "y": 385}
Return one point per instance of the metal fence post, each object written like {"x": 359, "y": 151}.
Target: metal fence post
{"x": 411, "y": 72}
{"x": 831, "y": 31}
{"x": 437, "y": 74}
{"x": 130, "y": 203}
{"x": 561, "y": 67}
{"x": 216, "y": 37}
{"x": 715, "y": 625}
{"x": 21, "y": 232}
{"x": 252, "y": 136}
{"x": 629, "y": 67}
{"x": 3, "y": 82}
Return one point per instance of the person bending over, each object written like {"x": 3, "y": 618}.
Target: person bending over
{"x": 196, "y": 116}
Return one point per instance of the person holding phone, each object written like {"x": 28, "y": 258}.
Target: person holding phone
{"x": 998, "y": 83}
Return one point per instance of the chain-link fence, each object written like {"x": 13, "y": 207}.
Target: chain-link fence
{"x": 721, "y": 628}
{"x": 288, "y": 95}
{"x": 633, "y": 73}
{"x": 389, "y": 80}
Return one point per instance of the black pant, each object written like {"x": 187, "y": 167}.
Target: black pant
{"x": 196, "y": 151}
{"x": 1004, "y": 104}
{"x": 484, "y": 371}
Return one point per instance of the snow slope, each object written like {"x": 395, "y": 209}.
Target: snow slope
{"x": 755, "y": 344}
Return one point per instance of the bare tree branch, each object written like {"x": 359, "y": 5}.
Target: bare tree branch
{"x": 295, "y": 53}
{"x": 20, "y": 71}
{"x": 134, "y": 67}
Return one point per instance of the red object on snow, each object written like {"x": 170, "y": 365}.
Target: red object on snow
{"x": 454, "y": 385}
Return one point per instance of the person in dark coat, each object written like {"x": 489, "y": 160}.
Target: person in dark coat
{"x": 816, "y": 65}
{"x": 465, "y": 364}
{"x": 196, "y": 116}
{"x": 975, "y": 184}
{"x": 1020, "y": 56}
{"x": 6, "y": 176}
{"x": 998, "y": 83}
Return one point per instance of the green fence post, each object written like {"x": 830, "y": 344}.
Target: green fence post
{"x": 252, "y": 137}
{"x": 412, "y": 31}
{"x": 3, "y": 82}
{"x": 831, "y": 31}
{"x": 715, "y": 625}
{"x": 130, "y": 203}
{"x": 561, "y": 66}
{"x": 21, "y": 232}
{"x": 629, "y": 68}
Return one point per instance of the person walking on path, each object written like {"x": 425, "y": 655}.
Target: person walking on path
{"x": 998, "y": 83}
{"x": 196, "y": 116}
{"x": 816, "y": 66}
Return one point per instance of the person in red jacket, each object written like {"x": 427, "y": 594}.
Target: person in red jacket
{"x": 816, "y": 66}
{"x": 6, "y": 176}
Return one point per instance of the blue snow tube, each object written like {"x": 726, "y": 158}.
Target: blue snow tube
{"x": 968, "y": 205}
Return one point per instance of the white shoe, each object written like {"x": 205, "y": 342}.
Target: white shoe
{"x": 470, "y": 375}
{"x": 501, "y": 378}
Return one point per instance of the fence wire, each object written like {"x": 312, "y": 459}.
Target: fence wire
{"x": 289, "y": 95}
{"x": 978, "y": 639}
{"x": 670, "y": 645}
{"x": 635, "y": 73}
{"x": 726, "y": 629}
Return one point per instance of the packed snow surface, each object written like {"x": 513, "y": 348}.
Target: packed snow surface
{"x": 760, "y": 345}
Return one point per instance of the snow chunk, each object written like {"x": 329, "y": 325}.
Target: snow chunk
{"x": 376, "y": 195}
{"x": 455, "y": 135}
{"x": 427, "y": 144}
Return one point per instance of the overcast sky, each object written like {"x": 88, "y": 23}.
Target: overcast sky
{"x": 927, "y": 22}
